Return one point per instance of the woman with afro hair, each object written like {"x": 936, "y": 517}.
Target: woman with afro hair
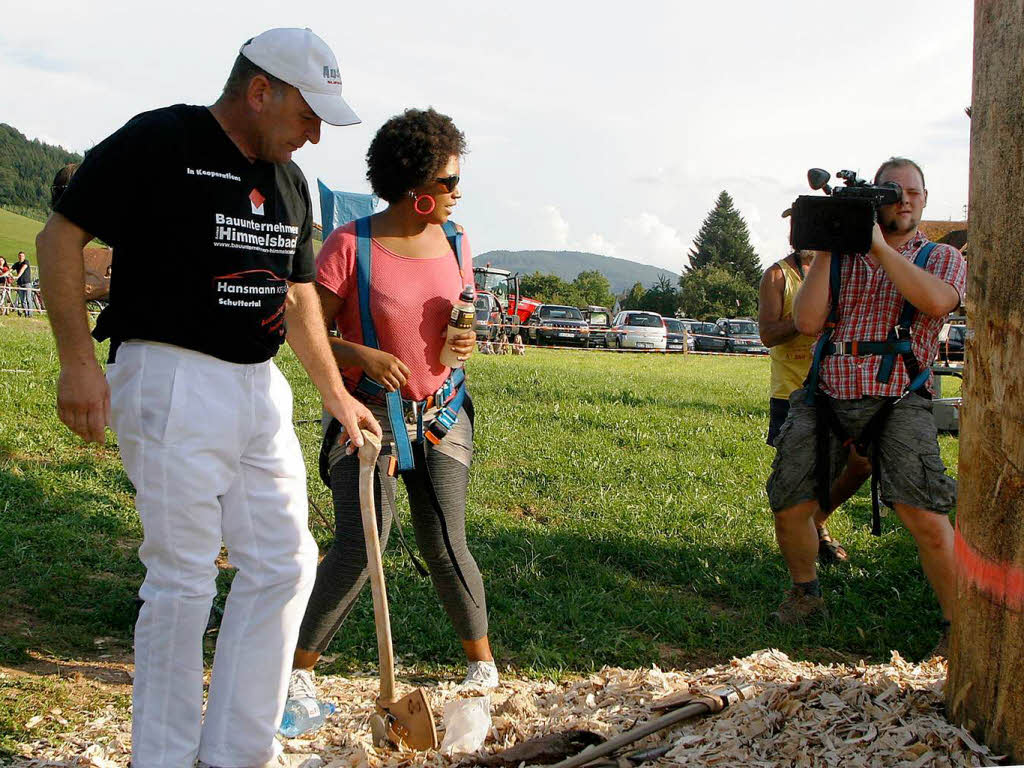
{"x": 413, "y": 164}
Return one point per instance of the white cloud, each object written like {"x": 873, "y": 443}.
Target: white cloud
{"x": 598, "y": 243}
{"x": 652, "y": 241}
{"x": 555, "y": 233}
{"x": 554, "y": 229}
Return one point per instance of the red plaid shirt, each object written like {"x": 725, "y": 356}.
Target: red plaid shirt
{"x": 869, "y": 307}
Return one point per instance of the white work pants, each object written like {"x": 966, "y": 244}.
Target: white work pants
{"x": 210, "y": 448}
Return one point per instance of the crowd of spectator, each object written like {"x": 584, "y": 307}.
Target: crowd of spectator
{"x": 17, "y": 292}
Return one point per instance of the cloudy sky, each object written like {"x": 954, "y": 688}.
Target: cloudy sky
{"x": 610, "y": 131}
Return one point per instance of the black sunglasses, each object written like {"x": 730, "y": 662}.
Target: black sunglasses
{"x": 450, "y": 182}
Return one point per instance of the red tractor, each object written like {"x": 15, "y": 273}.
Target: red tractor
{"x": 500, "y": 310}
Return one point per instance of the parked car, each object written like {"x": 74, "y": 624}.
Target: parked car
{"x": 708, "y": 337}
{"x": 636, "y": 329}
{"x": 692, "y": 326}
{"x": 558, "y": 325}
{"x": 742, "y": 335}
{"x": 675, "y": 332}
{"x": 599, "y": 319}
{"x": 487, "y": 317}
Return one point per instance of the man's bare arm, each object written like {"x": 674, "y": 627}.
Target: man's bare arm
{"x": 928, "y": 293}
{"x": 775, "y": 329}
{"x": 83, "y": 397}
{"x": 810, "y": 306}
{"x": 307, "y": 336}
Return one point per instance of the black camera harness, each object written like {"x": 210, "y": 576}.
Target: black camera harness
{"x": 899, "y": 343}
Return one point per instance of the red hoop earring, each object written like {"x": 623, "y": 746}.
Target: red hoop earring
{"x": 416, "y": 205}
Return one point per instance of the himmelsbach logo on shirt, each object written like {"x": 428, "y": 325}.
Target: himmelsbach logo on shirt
{"x": 257, "y": 201}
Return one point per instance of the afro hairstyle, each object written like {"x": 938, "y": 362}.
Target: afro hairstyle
{"x": 409, "y": 149}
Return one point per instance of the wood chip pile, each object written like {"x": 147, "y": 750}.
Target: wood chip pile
{"x": 802, "y": 714}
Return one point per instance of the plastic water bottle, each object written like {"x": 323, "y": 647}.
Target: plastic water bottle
{"x": 304, "y": 715}
{"x": 460, "y": 320}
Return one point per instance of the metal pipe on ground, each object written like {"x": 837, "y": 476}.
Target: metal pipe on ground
{"x": 715, "y": 701}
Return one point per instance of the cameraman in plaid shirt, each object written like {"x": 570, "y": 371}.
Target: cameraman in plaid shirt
{"x": 913, "y": 479}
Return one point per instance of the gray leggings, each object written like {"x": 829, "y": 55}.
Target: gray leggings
{"x": 343, "y": 573}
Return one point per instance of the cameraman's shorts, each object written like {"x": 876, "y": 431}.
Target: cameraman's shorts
{"x": 912, "y": 471}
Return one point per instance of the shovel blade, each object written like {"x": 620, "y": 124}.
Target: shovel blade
{"x": 411, "y": 723}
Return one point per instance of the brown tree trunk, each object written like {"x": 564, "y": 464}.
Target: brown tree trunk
{"x": 985, "y": 688}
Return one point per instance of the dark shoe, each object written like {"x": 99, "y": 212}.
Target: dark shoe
{"x": 799, "y": 606}
{"x": 830, "y": 551}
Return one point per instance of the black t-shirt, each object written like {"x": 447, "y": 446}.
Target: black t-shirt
{"x": 204, "y": 241}
{"x": 26, "y": 277}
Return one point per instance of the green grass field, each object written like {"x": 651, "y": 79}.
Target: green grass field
{"x": 18, "y": 233}
{"x": 616, "y": 509}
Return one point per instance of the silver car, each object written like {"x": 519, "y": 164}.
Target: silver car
{"x": 636, "y": 329}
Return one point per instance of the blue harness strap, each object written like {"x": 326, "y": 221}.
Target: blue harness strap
{"x": 901, "y": 335}
{"x": 364, "y": 256}
{"x": 822, "y": 346}
{"x": 454, "y": 240}
{"x": 392, "y": 400}
{"x": 448, "y": 414}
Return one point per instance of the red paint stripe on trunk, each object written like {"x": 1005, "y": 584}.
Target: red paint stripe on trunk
{"x": 1003, "y": 582}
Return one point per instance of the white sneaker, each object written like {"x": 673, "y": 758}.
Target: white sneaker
{"x": 301, "y": 685}
{"x": 481, "y": 674}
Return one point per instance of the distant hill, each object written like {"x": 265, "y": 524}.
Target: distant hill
{"x": 621, "y": 273}
{"x": 27, "y": 167}
{"x": 18, "y": 233}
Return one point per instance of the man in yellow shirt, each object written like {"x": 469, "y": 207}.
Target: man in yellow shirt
{"x": 791, "y": 355}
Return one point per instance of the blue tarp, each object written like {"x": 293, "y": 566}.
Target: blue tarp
{"x": 339, "y": 208}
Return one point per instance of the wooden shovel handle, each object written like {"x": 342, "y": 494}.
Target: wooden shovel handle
{"x": 368, "y": 454}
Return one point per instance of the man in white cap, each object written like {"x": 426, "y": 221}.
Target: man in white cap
{"x": 212, "y": 233}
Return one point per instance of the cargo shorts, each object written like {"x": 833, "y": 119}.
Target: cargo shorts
{"x": 911, "y": 473}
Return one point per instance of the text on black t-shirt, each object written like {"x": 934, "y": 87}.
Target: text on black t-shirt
{"x": 205, "y": 241}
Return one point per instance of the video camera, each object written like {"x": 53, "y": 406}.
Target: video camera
{"x": 840, "y": 223}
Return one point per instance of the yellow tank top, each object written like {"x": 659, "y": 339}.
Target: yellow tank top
{"x": 790, "y": 361}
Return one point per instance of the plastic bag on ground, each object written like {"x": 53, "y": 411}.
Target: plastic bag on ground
{"x": 467, "y": 723}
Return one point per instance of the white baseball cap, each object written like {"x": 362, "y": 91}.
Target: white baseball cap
{"x": 300, "y": 58}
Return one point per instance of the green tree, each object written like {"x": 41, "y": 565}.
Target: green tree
{"x": 662, "y": 297}
{"x": 712, "y": 292}
{"x": 541, "y": 286}
{"x": 634, "y": 297}
{"x": 550, "y": 289}
{"x": 26, "y": 171}
{"x": 594, "y": 288}
{"x": 724, "y": 241}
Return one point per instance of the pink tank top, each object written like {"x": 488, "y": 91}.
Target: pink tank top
{"x": 410, "y": 300}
